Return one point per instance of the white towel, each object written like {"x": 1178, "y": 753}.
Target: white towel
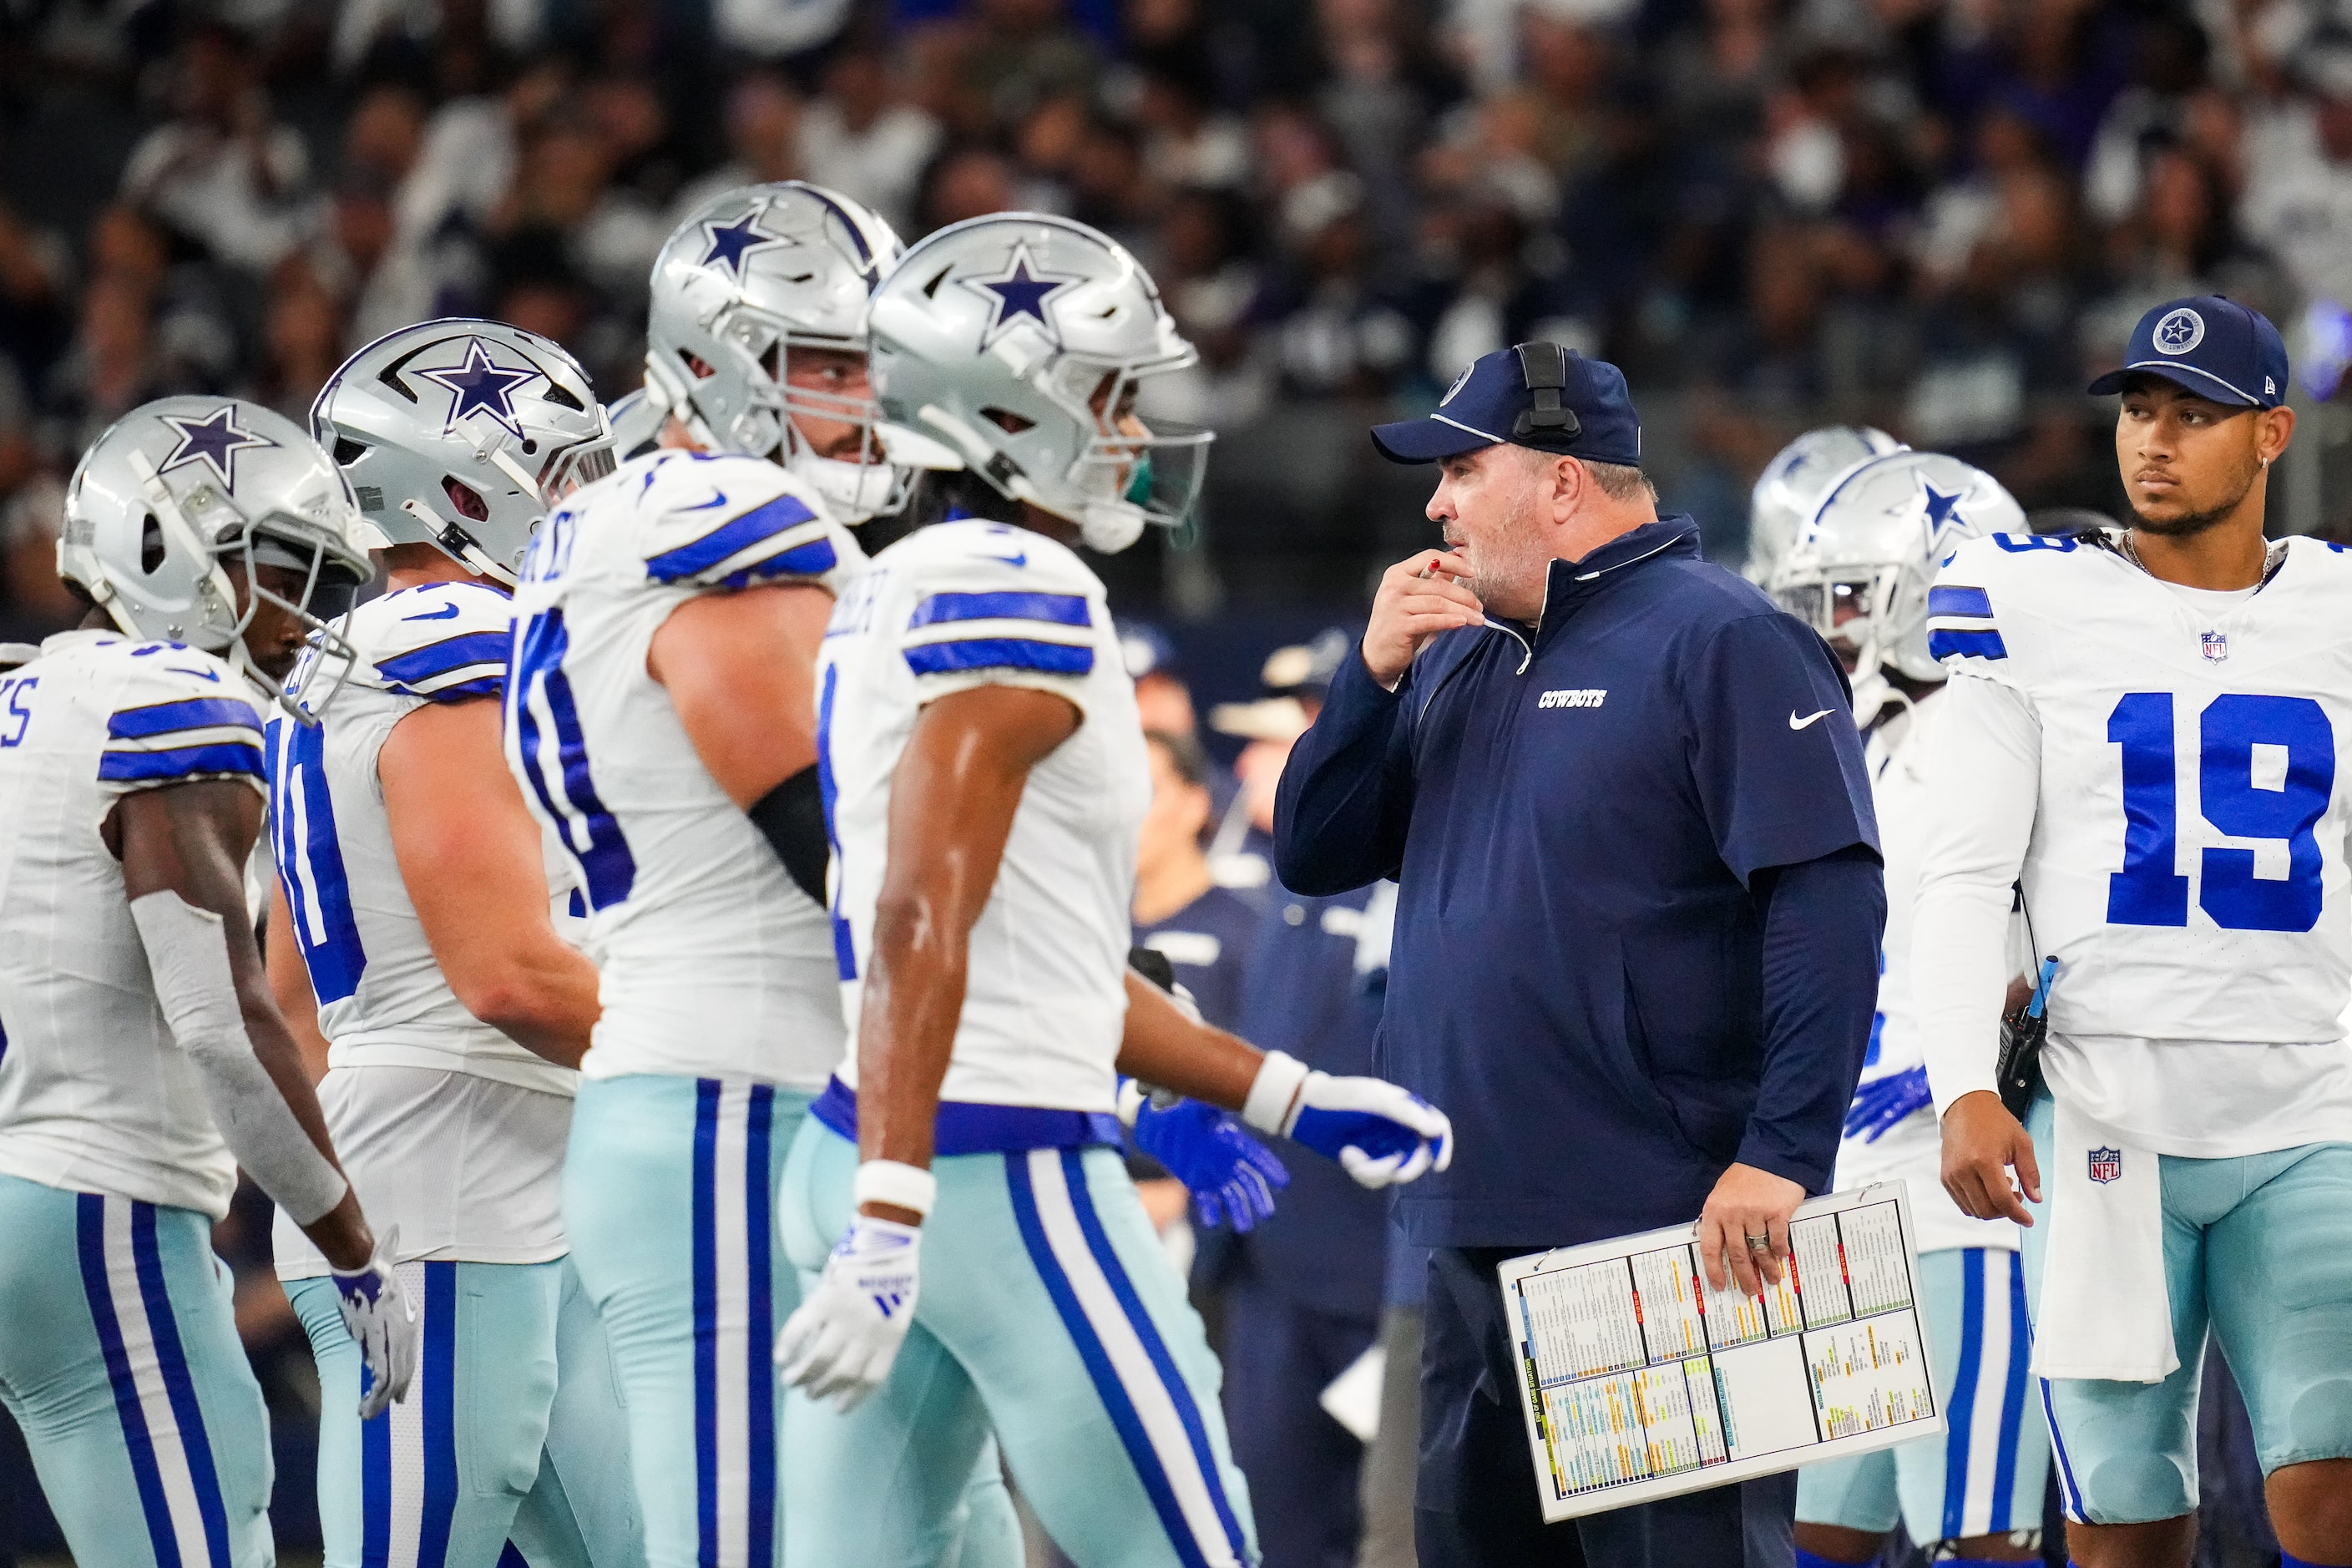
{"x": 2103, "y": 1312}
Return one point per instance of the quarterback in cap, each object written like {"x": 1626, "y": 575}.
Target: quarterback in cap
{"x": 2144, "y": 732}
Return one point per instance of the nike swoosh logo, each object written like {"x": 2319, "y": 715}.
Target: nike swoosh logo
{"x": 718, "y": 498}
{"x": 1020, "y": 560}
{"x": 1797, "y": 723}
{"x": 446, "y": 613}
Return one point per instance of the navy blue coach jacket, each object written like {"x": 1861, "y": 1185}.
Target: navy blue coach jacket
{"x": 1590, "y": 831}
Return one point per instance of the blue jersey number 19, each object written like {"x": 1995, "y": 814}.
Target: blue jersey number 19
{"x": 2265, "y": 769}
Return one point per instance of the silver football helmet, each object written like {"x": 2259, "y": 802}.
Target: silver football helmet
{"x": 461, "y": 434}
{"x": 1793, "y": 483}
{"x": 750, "y": 276}
{"x": 1860, "y": 569}
{"x": 175, "y": 488}
{"x": 1013, "y": 345}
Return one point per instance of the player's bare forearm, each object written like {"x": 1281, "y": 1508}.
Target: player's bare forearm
{"x": 192, "y": 840}
{"x": 1167, "y": 1050}
{"x": 952, "y": 802}
{"x": 470, "y": 857}
{"x": 289, "y": 983}
{"x": 740, "y": 670}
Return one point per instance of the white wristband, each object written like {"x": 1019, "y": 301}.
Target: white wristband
{"x": 899, "y": 1185}
{"x": 1274, "y": 1092}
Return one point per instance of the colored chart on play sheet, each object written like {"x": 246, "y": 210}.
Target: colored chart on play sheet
{"x": 1638, "y": 1373}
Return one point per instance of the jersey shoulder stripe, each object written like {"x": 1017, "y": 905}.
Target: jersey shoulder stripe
{"x": 1960, "y": 624}
{"x": 441, "y": 641}
{"x": 1000, "y": 653}
{"x": 1061, "y": 609}
{"x": 174, "y": 718}
{"x": 779, "y": 524}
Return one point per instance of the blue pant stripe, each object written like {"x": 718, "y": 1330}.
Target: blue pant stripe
{"x": 1180, "y": 1392}
{"x": 1114, "y": 1395}
{"x": 440, "y": 1413}
{"x": 758, "y": 1370}
{"x": 171, "y": 1358}
{"x": 510, "y": 1556}
{"x": 706, "y": 1320}
{"x": 1961, "y": 1409}
{"x": 2074, "y": 1499}
{"x": 90, "y": 1216}
{"x": 375, "y": 1492}
{"x": 2012, "y": 1396}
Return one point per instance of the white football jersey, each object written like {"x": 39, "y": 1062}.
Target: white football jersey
{"x": 2186, "y": 864}
{"x": 967, "y": 604}
{"x": 714, "y": 963}
{"x": 461, "y": 1143}
{"x": 382, "y": 999}
{"x": 95, "y": 1094}
{"x": 1912, "y": 1150}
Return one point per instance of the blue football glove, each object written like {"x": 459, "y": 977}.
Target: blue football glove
{"x": 1231, "y": 1176}
{"x": 1881, "y": 1102}
{"x": 1381, "y": 1135}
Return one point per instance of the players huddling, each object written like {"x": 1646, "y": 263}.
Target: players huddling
{"x": 709, "y": 945}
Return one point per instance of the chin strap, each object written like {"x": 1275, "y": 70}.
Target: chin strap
{"x": 455, "y": 541}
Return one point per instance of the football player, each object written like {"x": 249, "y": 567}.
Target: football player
{"x": 142, "y": 1061}
{"x": 985, "y": 773}
{"x": 2141, "y": 731}
{"x": 413, "y": 919}
{"x": 1789, "y": 489}
{"x": 1858, "y": 572}
{"x": 660, "y": 714}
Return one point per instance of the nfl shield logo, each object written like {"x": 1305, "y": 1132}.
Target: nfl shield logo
{"x": 2216, "y": 646}
{"x": 2106, "y": 1166}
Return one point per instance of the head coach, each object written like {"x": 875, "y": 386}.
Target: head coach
{"x": 1637, "y": 937}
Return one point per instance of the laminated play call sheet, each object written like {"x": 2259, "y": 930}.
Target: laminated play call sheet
{"x": 1643, "y": 1382}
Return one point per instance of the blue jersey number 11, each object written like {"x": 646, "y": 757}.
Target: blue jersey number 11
{"x": 2265, "y": 769}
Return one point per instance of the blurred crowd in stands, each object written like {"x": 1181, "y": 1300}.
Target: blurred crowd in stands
{"x": 1937, "y": 216}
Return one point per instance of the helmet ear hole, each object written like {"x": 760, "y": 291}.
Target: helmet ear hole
{"x": 1004, "y": 420}
{"x": 467, "y": 499}
{"x": 150, "y": 545}
{"x": 347, "y": 451}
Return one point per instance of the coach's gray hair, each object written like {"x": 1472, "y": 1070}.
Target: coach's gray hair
{"x": 1620, "y": 482}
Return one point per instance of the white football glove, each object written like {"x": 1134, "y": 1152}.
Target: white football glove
{"x": 841, "y": 1342}
{"x": 1381, "y": 1135}
{"x": 382, "y": 1319}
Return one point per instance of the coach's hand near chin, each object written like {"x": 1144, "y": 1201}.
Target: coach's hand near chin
{"x": 1418, "y": 599}
{"x": 1747, "y": 1203}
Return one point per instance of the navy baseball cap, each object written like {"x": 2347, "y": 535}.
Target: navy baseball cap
{"x": 1535, "y": 394}
{"x": 2210, "y": 345}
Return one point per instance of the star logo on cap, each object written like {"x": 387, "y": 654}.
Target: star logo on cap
{"x": 2179, "y": 332}
{"x": 1020, "y": 293}
{"x": 727, "y": 242}
{"x": 214, "y": 441}
{"x": 481, "y": 385}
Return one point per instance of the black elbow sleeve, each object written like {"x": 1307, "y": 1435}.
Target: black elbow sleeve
{"x": 790, "y": 816}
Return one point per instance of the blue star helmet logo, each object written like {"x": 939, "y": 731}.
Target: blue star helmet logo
{"x": 1019, "y": 293}
{"x": 482, "y": 385}
{"x": 1943, "y": 510}
{"x": 727, "y": 242}
{"x": 214, "y": 441}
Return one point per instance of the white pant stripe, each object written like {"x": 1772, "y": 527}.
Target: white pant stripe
{"x": 406, "y": 1534}
{"x": 147, "y": 1376}
{"x": 734, "y": 1322}
{"x": 1195, "y": 1493}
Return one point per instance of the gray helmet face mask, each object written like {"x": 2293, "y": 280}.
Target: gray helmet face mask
{"x": 748, "y": 278}
{"x": 179, "y": 488}
{"x": 1860, "y": 569}
{"x": 462, "y": 434}
{"x": 1013, "y": 345}
{"x": 1793, "y": 483}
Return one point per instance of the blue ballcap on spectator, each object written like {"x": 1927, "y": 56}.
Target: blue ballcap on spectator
{"x": 1536, "y": 394}
{"x": 1145, "y": 649}
{"x": 1293, "y": 676}
{"x": 2210, "y": 345}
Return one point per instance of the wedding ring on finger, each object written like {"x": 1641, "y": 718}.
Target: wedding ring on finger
{"x": 1759, "y": 1243}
